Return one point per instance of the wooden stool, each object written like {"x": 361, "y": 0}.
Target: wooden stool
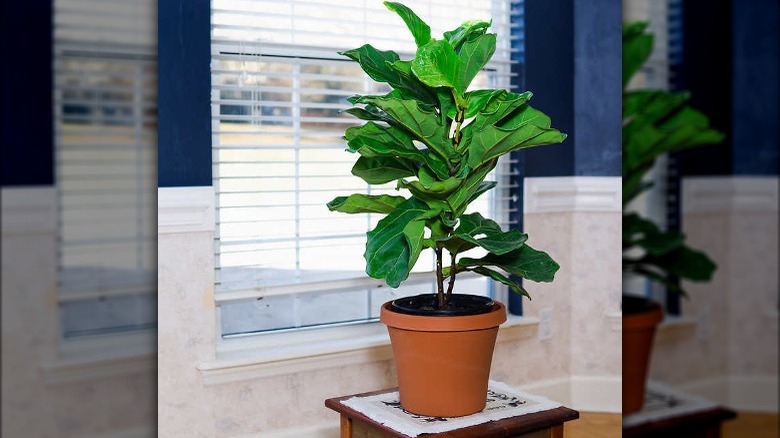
{"x": 545, "y": 424}
{"x": 703, "y": 424}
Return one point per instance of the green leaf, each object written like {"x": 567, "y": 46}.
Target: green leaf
{"x": 501, "y": 278}
{"x": 493, "y": 142}
{"x": 420, "y": 30}
{"x": 359, "y": 203}
{"x": 414, "y": 232}
{"x": 372, "y": 140}
{"x": 466, "y": 31}
{"x": 459, "y": 200}
{"x": 684, "y": 262}
{"x": 473, "y": 57}
{"x": 525, "y": 262}
{"x": 438, "y": 190}
{"x": 383, "y": 66}
{"x": 486, "y": 233}
{"x": 369, "y": 112}
{"x": 645, "y": 234}
{"x": 437, "y": 65}
{"x": 380, "y": 170}
{"x": 389, "y": 246}
{"x": 637, "y": 47}
{"x": 422, "y": 122}
{"x": 374, "y": 62}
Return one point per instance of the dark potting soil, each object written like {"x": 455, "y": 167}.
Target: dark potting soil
{"x": 634, "y": 304}
{"x": 459, "y": 305}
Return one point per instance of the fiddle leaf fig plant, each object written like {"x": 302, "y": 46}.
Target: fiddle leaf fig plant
{"x": 656, "y": 122}
{"x": 438, "y": 140}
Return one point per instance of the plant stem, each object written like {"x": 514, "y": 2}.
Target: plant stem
{"x": 439, "y": 276}
{"x": 460, "y": 116}
{"x": 451, "y": 284}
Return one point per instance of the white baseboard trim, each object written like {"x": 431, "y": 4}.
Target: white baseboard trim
{"x": 185, "y": 209}
{"x": 321, "y": 430}
{"x": 740, "y": 392}
{"x": 134, "y": 432}
{"x": 584, "y": 393}
{"x": 572, "y": 194}
{"x": 29, "y": 210}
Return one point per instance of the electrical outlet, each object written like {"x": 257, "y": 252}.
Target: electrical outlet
{"x": 545, "y": 323}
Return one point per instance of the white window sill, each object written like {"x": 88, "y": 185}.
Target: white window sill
{"x": 93, "y": 358}
{"x": 305, "y": 350}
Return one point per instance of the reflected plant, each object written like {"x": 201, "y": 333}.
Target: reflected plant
{"x": 656, "y": 122}
{"x": 438, "y": 141}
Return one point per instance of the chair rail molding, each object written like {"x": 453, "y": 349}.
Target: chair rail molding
{"x": 572, "y": 194}
{"x": 29, "y": 210}
{"x": 185, "y": 209}
{"x": 730, "y": 193}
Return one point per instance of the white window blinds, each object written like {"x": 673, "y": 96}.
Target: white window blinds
{"x": 105, "y": 117}
{"x": 278, "y": 88}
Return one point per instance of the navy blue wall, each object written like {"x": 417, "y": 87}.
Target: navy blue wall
{"x": 184, "y": 133}
{"x": 755, "y": 92}
{"x": 730, "y": 66}
{"x": 573, "y": 67}
{"x": 26, "y": 132}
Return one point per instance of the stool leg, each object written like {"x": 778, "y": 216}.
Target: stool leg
{"x": 556, "y": 431}
{"x": 346, "y": 426}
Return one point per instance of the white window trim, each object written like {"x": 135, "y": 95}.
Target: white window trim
{"x": 102, "y": 356}
{"x": 297, "y": 351}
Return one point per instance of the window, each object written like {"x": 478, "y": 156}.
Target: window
{"x": 284, "y": 261}
{"x": 105, "y": 116}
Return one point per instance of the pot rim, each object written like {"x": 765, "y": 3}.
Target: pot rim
{"x": 644, "y": 320}
{"x": 441, "y": 323}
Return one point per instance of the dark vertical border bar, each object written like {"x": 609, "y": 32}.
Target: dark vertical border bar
{"x": 755, "y": 92}
{"x": 598, "y": 88}
{"x": 549, "y": 74}
{"x": 707, "y": 75}
{"x": 184, "y": 93}
{"x": 27, "y": 132}
{"x": 517, "y": 169}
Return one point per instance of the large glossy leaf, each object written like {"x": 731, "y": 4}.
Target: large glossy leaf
{"x": 420, "y": 30}
{"x": 436, "y": 64}
{"x": 684, "y": 262}
{"x": 372, "y": 140}
{"x": 646, "y": 234}
{"x": 381, "y": 66}
{"x": 458, "y": 201}
{"x": 637, "y": 46}
{"x": 486, "y": 233}
{"x": 422, "y": 122}
{"x": 525, "y": 262}
{"x": 473, "y": 57}
{"x": 380, "y": 170}
{"x": 501, "y": 278}
{"x": 466, "y": 31}
{"x": 388, "y": 249}
{"x": 439, "y": 190}
{"x": 493, "y": 142}
{"x": 359, "y": 203}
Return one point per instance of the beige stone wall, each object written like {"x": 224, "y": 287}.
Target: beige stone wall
{"x": 727, "y": 345}
{"x": 46, "y": 394}
{"x": 584, "y": 340}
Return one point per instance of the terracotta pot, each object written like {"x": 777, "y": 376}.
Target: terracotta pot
{"x": 638, "y": 333}
{"x": 443, "y": 362}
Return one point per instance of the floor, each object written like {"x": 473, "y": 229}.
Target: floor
{"x": 600, "y": 425}
{"x": 594, "y": 425}
{"x": 749, "y": 424}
